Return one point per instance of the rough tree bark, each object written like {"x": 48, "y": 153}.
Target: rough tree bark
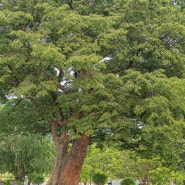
{"x": 68, "y": 164}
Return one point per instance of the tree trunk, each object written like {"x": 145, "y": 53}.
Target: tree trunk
{"x": 70, "y": 174}
{"x": 55, "y": 175}
{"x": 171, "y": 181}
{"x": 68, "y": 164}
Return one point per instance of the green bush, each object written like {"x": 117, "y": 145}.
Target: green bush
{"x": 100, "y": 178}
{"x": 7, "y": 182}
{"x": 128, "y": 181}
{"x": 36, "y": 178}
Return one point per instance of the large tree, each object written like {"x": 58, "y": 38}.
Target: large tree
{"x": 80, "y": 68}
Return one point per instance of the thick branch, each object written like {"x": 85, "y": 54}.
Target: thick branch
{"x": 62, "y": 139}
{"x": 54, "y": 133}
{"x": 54, "y": 97}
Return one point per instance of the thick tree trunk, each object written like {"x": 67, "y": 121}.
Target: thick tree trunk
{"x": 70, "y": 172}
{"x": 68, "y": 164}
{"x": 55, "y": 175}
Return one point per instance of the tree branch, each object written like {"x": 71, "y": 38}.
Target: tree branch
{"x": 70, "y": 3}
{"x": 54, "y": 133}
{"x": 54, "y": 97}
{"x": 116, "y": 70}
{"x": 30, "y": 21}
{"x": 15, "y": 77}
{"x": 61, "y": 87}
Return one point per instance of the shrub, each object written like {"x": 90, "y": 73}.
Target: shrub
{"x": 128, "y": 181}
{"x": 7, "y": 182}
{"x": 100, "y": 178}
{"x": 36, "y": 178}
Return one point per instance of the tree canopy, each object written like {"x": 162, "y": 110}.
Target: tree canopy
{"x": 24, "y": 155}
{"x": 80, "y": 68}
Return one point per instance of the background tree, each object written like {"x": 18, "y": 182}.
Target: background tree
{"x": 108, "y": 160}
{"x": 55, "y": 76}
{"x": 119, "y": 164}
{"x": 23, "y": 155}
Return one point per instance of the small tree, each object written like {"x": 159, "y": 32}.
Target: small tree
{"x": 128, "y": 181}
{"x": 99, "y": 178}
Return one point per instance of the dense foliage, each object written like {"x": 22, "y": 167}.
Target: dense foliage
{"x": 128, "y": 181}
{"x": 36, "y": 178}
{"x": 99, "y": 178}
{"x": 24, "y": 156}
{"x": 119, "y": 164}
{"x": 100, "y": 70}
